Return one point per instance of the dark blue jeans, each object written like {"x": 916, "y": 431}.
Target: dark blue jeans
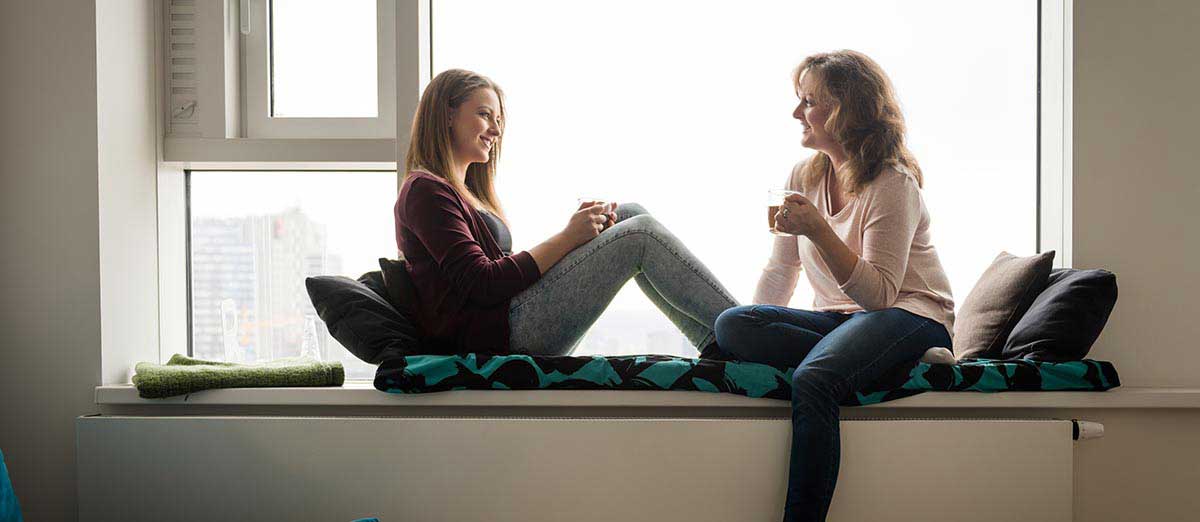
{"x": 834, "y": 355}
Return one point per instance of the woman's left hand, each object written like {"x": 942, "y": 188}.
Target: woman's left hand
{"x": 797, "y": 216}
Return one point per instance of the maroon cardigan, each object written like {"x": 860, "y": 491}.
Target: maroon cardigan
{"x": 464, "y": 283}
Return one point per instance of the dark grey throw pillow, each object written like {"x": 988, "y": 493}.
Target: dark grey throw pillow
{"x": 1005, "y": 290}
{"x": 1066, "y": 319}
{"x": 358, "y": 316}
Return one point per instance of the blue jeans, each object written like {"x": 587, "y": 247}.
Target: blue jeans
{"x": 834, "y": 354}
{"x": 551, "y": 316}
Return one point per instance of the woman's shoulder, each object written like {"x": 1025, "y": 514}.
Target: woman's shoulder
{"x": 421, "y": 181}
{"x": 423, "y": 190}
{"x": 420, "y": 175}
{"x": 894, "y": 186}
{"x": 894, "y": 176}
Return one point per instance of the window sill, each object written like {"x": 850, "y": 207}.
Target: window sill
{"x": 363, "y": 394}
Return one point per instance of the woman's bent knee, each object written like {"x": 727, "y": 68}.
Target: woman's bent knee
{"x": 627, "y": 210}
{"x": 641, "y": 223}
{"x": 732, "y": 325}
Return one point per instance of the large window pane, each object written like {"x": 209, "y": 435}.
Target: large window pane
{"x": 323, "y": 59}
{"x": 686, "y": 108}
{"x": 255, "y": 236}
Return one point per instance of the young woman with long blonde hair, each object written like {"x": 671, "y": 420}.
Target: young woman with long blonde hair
{"x": 859, "y": 226}
{"x": 474, "y": 293}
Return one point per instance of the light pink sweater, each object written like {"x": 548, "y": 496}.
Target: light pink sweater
{"x": 887, "y": 225}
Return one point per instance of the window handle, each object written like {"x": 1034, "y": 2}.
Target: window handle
{"x": 244, "y": 16}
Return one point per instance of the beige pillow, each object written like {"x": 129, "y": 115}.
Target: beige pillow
{"x": 1002, "y": 295}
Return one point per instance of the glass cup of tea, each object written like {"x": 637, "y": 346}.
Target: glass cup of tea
{"x": 775, "y": 199}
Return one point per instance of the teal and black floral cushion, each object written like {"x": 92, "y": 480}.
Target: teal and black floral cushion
{"x": 433, "y": 373}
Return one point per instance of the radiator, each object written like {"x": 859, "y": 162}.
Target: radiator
{"x": 548, "y": 469}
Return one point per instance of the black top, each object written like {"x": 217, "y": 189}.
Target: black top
{"x": 499, "y": 231}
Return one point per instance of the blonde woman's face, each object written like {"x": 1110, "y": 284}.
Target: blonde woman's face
{"x": 475, "y": 127}
{"x": 812, "y": 113}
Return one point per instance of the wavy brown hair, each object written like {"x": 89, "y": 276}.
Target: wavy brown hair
{"x": 865, "y": 119}
{"x": 429, "y": 145}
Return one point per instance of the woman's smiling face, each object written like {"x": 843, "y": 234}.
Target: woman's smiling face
{"x": 813, "y": 111}
{"x": 475, "y": 127}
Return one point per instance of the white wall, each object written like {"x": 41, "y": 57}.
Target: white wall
{"x": 49, "y": 252}
{"x": 1137, "y": 180}
{"x": 78, "y": 163}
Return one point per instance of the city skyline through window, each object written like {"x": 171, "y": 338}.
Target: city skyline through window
{"x": 255, "y": 237}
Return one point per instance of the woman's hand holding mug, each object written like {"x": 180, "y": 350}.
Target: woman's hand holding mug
{"x": 610, "y": 209}
{"x": 798, "y": 217}
{"x": 587, "y": 222}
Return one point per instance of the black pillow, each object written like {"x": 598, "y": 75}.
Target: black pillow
{"x": 375, "y": 282}
{"x": 399, "y": 289}
{"x": 358, "y": 316}
{"x": 1066, "y": 318}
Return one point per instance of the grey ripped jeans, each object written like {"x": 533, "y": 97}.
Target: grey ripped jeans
{"x": 551, "y": 317}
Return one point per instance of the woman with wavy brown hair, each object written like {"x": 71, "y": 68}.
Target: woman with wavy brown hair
{"x": 474, "y": 293}
{"x": 856, "y": 220}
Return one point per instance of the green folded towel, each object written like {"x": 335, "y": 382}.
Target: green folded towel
{"x": 182, "y": 375}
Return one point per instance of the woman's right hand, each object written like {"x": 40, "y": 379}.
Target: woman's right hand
{"x": 586, "y": 223}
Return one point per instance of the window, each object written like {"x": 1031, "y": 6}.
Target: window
{"x": 317, "y": 69}
{"x": 324, "y": 77}
{"x": 255, "y": 236}
{"x": 686, "y": 107}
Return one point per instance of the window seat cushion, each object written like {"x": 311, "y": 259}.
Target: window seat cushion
{"x": 434, "y": 373}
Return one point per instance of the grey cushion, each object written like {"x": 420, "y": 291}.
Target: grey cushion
{"x": 1001, "y": 296}
{"x": 1065, "y": 320}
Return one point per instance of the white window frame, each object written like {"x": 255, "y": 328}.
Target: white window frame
{"x": 256, "y": 91}
{"x": 1055, "y": 110}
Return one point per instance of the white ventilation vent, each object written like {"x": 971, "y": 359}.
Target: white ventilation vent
{"x": 183, "y": 109}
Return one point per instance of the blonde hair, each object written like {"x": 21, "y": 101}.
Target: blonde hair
{"x": 430, "y": 147}
{"x": 865, "y": 119}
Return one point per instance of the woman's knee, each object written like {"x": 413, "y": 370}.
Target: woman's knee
{"x": 641, "y": 224}
{"x": 627, "y": 210}
{"x": 734, "y": 325}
